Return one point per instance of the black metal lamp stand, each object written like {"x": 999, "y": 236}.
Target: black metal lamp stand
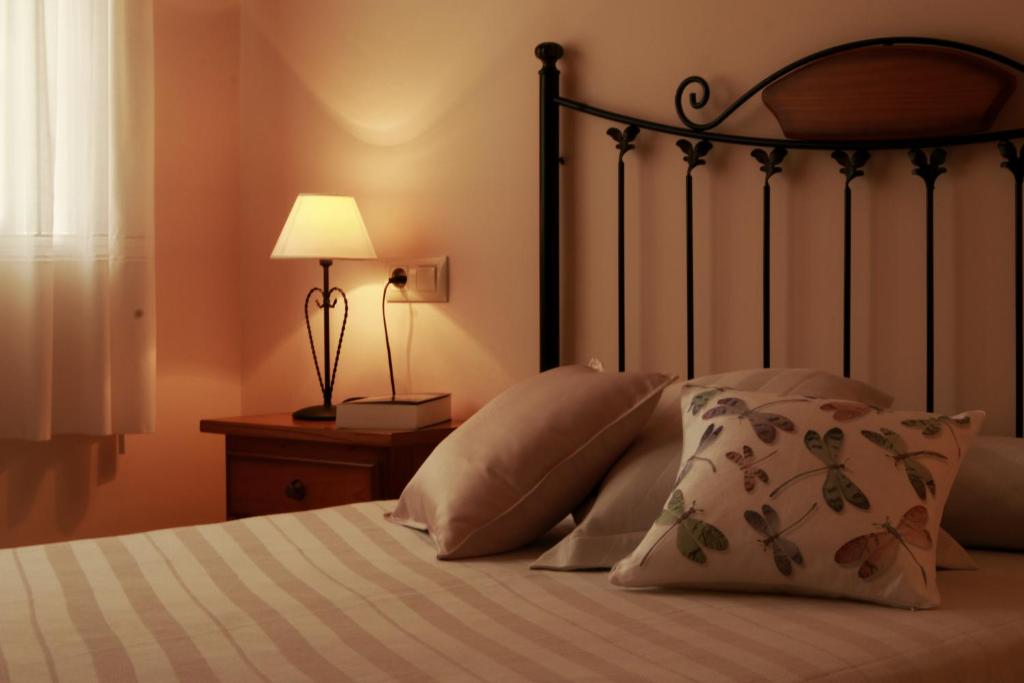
{"x": 325, "y": 411}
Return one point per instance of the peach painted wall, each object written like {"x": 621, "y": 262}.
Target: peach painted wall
{"x": 427, "y": 113}
{"x": 76, "y": 486}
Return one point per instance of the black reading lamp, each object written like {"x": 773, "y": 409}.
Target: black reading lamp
{"x": 325, "y": 227}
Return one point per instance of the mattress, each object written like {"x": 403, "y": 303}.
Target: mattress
{"x": 341, "y": 594}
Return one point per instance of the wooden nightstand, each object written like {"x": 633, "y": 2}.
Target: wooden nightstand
{"x": 276, "y": 464}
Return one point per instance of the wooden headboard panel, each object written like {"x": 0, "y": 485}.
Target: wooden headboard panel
{"x": 890, "y": 92}
{"x": 921, "y": 95}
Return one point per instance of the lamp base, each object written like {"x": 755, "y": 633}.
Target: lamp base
{"x": 319, "y": 413}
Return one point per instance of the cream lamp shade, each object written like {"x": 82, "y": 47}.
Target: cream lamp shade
{"x": 324, "y": 227}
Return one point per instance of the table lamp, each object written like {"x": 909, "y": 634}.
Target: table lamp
{"x": 324, "y": 227}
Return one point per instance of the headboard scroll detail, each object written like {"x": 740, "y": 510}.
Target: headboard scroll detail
{"x": 881, "y": 93}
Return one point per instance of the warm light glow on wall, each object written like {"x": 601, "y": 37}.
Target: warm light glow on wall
{"x": 418, "y": 61}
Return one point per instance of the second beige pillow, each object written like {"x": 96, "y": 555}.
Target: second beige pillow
{"x": 526, "y": 459}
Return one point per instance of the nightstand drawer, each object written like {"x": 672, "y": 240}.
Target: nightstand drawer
{"x": 260, "y": 486}
{"x": 277, "y": 464}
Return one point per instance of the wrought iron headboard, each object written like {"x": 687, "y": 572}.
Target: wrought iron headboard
{"x": 796, "y": 105}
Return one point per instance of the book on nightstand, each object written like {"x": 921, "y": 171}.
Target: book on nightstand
{"x": 402, "y": 411}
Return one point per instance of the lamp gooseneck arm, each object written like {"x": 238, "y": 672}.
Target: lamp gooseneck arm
{"x": 387, "y": 339}
{"x": 398, "y": 278}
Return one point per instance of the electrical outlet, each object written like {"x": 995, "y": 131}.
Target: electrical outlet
{"x": 428, "y": 280}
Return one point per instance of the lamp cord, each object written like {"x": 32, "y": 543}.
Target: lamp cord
{"x": 341, "y": 336}
{"x": 387, "y": 340}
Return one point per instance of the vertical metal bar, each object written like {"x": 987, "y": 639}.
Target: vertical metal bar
{"x": 624, "y": 143}
{"x": 766, "y": 276}
{"x": 689, "y": 276}
{"x": 1018, "y": 274}
{"x": 694, "y": 155}
{"x": 929, "y": 169}
{"x": 550, "y": 290}
{"x": 622, "y": 264}
{"x": 1014, "y": 162}
{"x": 850, "y": 167}
{"x": 930, "y": 298}
{"x": 771, "y": 163}
{"x": 847, "y": 284}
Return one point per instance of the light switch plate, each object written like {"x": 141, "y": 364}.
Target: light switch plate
{"x": 428, "y": 280}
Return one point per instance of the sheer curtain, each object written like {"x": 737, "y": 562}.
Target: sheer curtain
{"x": 77, "y": 304}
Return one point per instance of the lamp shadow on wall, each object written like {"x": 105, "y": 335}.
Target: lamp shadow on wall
{"x": 279, "y": 366}
{"x": 57, "y": 476}
{"x": 426, "y": 61}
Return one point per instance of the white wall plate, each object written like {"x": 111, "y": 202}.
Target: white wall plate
{"x": 428, "y": 280}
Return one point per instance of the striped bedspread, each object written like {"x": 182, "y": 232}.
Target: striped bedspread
{"x": 341, "y": 594}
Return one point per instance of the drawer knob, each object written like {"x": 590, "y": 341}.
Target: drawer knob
{"x": 295, "y": 490}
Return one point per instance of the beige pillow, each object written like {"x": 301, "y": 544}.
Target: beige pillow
{"x": 857, "y": 517}
{"x": 526, "y": 459}
{"x": 797, "y": 381}
{"x": 986, "y": 506}
{"x": 949, "y": 554}
{"x": 631, "y": 496}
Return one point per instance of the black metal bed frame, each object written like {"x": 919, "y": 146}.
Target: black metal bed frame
{"x": 696, "y": 140}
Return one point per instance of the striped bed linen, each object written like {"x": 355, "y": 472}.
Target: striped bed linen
{"x": 341, "y": 594}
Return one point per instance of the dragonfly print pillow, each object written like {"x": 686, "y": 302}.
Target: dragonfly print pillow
{"x": 809, "y": 496}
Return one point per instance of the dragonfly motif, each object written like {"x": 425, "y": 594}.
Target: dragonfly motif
{"x": 876, "y": 552}
{"x": 766, "y": 425}
{"x": 932, "y": 426}
{"x": 767, "y": 524}
{"x": 838, "y": 484}
{"x": 748, "y": 465}
{"x": 703, "y": 398}
{"x": 706, "y": 439}
{"x": 918, "y": 474}
{"x": 691, "y": 533}
{"x": 844, "y": 411}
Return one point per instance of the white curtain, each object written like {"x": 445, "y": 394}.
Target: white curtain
{"x": 77, "y": 313}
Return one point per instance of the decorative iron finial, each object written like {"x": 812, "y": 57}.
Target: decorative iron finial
{"x": 549, "y": 53}
{"x": 624, "y": 138}
{"x": 928, "y": 168}
{"x": 850, "y": 165}
{"x": 694, "y": 153}
{"x": 771, "y": 162}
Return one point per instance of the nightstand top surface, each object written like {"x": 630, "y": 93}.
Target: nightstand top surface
{"x": 283, "y": 426}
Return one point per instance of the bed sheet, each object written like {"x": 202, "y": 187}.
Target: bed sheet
{"x": 342, "y": 594}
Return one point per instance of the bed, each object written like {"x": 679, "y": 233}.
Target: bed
{"x": 342, "y": 594}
